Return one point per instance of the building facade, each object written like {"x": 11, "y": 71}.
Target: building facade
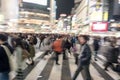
{"x": 90, "y": 11}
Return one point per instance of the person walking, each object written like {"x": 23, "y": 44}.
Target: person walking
{"x": 4, "y": 59}
{"x": 57, "y": 48}
{"x": 111, "y": 55}
{"x": 84, "y": 58}
{"x": 96, "y": 47}
{"x": 32, "y": 49}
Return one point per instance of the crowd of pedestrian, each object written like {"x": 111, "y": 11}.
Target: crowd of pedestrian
{"x": 82, "y": 47}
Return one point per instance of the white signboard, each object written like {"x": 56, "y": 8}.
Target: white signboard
{"x": 41, "y": 2}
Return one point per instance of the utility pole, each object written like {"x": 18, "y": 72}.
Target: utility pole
{"x": 52, "y": 12}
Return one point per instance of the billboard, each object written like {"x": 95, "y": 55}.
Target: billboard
{"x": 114, "y": 26}
{"x": 41, "y": 2}
{"x": 99, "y": 26}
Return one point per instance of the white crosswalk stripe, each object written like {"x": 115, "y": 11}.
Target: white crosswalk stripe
{"x": 34, "y": 74}
{"x": 95, "y": 74}
{"x": 73, "y": 68}
{"x": 56, "y": 71}
{"x": 110, "y": 72}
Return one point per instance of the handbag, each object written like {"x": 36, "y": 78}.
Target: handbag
{"x": 25, "y": 54}
{"x": 11, "y": 58}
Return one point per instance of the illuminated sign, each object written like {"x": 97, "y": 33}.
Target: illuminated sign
{"x": 99, "y": 26}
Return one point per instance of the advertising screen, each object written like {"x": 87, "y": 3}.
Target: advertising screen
{"x": 41, "y": 2}
{"x": 114, "y": 26}
{"x": 99, "y": 26}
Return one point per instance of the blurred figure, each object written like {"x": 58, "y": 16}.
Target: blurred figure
{"x": 47, "y": 46}
{"x": 84, "y": 58}
{"x": 76, "y": 51}
{"x": 57, "y": 48}
{"x": 17, "y": 44}
{"x": 96, "y": 47}
{"x": 67, "y": 45}
{"x": 73, "y": 40}
{"x": 4, "y": 60}
{"x": 32, "y": 49}
{"x": 118, "y": 44}
{"x": 42, "y": 37}
{"x": 111, "y": 55}
{"x": 64, "y": 48}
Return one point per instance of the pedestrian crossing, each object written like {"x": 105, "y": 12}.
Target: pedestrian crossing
{"x": 113, "y": 74}
{"x": 48, "y": 70}
{"x": 56, "y": 70}
{"x": 34, "y": 74}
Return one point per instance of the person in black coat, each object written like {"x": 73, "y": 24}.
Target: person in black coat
{"x": 4, "y": 61}
{"x": 84, "y": 58}
{"x": 68, "y": 45}
{"x": 96, "y": 47}
{"x": 111, "y": 55}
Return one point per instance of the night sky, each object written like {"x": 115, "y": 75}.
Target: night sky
{"x": 64, "y": 7}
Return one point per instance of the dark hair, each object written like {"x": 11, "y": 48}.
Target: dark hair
{"x": 85, "y": 37}
{"x": 18, "y": 42}
{"x": 60, "y": 37}
{"x": 3, "y": 37}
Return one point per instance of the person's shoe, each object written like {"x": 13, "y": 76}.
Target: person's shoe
{"x": 106, "y": 69}
{"x": 95, "y": 59}
{"x": 57, "y": 64}
{"x": 32, "y": 63}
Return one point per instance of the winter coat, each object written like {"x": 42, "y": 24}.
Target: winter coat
{"x": 67, "y": 44}
{"x": 4, "y": 61}
{"x": 96, "y": 45}
{"x": 32, "y": 51}
{"x": 85, "y": 55}
{"x": 111, "y": 54}
{"x": 57, "y": 45}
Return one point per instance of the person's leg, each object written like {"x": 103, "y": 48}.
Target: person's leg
{"x": 64, "y": 55}
{"x": 95, "y": 56}
{"x": 57, "y": 58}
{"x": 112, "y": 66}
{"x": 87, "y": 72}
{"x": 4, "y": 75}
{"x": 107, "y": 65}
{"x": 76, "y": 59}
{"x": 69, "y": 51}
{"x": 79, "y": 69}
{"x": 40, "y": 44}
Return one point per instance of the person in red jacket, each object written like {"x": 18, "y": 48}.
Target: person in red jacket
{"x": 57, "y": 48}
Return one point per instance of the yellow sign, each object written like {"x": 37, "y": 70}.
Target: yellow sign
{"x": 105, "y": 16}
